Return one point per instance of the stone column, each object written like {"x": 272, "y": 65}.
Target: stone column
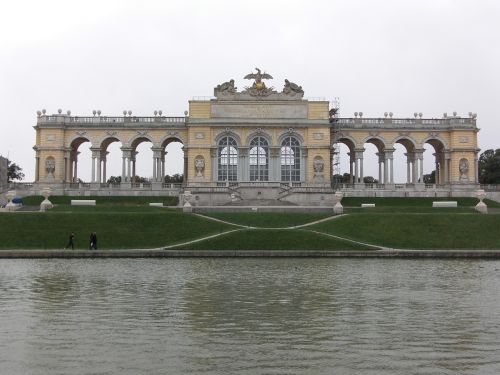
{"x": 476, "y": 168}
{"x": 67, "y": 166}
{"x": 37, "y": 168}
{"x": 92, "y": 176}
{"x": 380, "y": 170}
{"x": 186, "y": 161}
{"x": 98, "y": 160}
{"x": 96, "y": 165}
{"x": 126, "y": 155}
{"x": 75, "y": 175}
{"x": 410, "y": 171}
{"x": 446, "y": 168}
{"x": 155, "y": 161}
{"x": 351, "y": 162}
{"x": 303, "y": 163}
{"x": 104, "y": 160}
{"x": 421, "y": 167}
{"x": 163, "y": 155}
{"x": 243, "y": 170}
{"x": 213, "y": 157}
{"x": 437, "y": 162}
{"x": 389, "y": 170}
{"x": 133, "y": 160}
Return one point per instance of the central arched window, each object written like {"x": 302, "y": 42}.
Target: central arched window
{"x": 259, "y": 165}
{"x": 227, "y": 159}
{"x": 290, "y": 159}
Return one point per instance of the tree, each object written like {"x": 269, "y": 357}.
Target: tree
{"x": 14, "y": 172}
{"x": 430, "y": 178}
{"x": 114, "y": 180}
{"x": 370, "y": 180}
{"x": 489, "y": 167}
{"x": 174, "y": 179}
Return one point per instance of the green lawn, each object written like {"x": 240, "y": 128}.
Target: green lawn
{"x": 115, "y": 230}
{"x": 128, "y": 222}
{"x": 269, "y": 219}
{"x": 419, "y": 231}
{"x": 259, "y": 239}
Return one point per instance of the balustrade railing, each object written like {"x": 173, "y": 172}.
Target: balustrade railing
{"x": 112, "y": 120}
{"x": 358, "y": 122}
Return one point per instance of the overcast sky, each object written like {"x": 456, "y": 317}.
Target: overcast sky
{"x": 429, "y": 56}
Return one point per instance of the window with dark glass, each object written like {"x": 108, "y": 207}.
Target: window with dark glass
{"x": 290, "y": 159}
{"x": 259, "y": 161}
{"x": 227, "y": 160}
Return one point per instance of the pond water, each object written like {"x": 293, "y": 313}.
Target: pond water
{"x": 249, "y": 316}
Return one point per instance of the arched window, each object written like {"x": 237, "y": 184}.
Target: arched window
{"x": 227, "y": 159}
{"x": 259, "y": 165}
{"x": 290, "y": 159}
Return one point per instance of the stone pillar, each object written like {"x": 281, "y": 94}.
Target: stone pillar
{"x": 351, "y": 165}
{"x": 243, "y": 170}
{"x": 421, "y": 167}
{"x": 410, "y": 167}
{"x": 274, "y": 164}
{"x": 104, "y": 160}
{"x": 96, "y": 165}
{"x": 389, "y": 162}
{"x": 386, "y": 168}
{"x": 163, "y": 155}
{"x": 133, "y": 160}
{"x": 446, "y": 168}
{"x": 98, "y": 160}
{"x": 123, "y": 166}
{"x": 213, "y": 156}
{"x": 126, "y": 156}
{"x": 155, "y": 161}
{"x": 37, "y": 168}
{"x": 437, "y": 162}
{"x": 185, "y": 173}
{"x": 476, "y": 168}
{"x": 303, "y": 163}
{"x": 92, "y": 179}
{"x": 67, "y": 166}
{"x": 381, "y": 158}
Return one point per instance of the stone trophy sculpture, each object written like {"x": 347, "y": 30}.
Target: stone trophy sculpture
{"x": 463, "y": 168}
{"x": 50, "y": 168}
{"x": 199, "y": 165}
{"x": 318, "y": 168}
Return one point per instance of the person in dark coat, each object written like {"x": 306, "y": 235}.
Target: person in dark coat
{"x": 71, "y": 240}
{"x": 93, "y": 241}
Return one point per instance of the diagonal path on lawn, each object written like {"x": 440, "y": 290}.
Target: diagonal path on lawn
{"x": 241, "y": 227}
{"x": 377, "y": 247}
{"x": 271, "y": 228}
{"x": 201, "y": 239}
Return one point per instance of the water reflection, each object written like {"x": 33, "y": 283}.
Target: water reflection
{"x": 249, "y": 316}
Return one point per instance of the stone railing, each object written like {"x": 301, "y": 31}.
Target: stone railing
{"x": 110, "y": 121}
{"x": 398, "y": 123}
{"x": 490, "y": 187}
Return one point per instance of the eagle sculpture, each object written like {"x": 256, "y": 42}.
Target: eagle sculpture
{"x": 258, "y": 84}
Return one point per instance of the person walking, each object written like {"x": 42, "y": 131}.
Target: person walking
{"x": 71, "y": 241}
{"x": 93, "y": 241}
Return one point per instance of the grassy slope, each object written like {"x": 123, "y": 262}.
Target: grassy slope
{"x": 269, "y": 219}
{"x": 115, "y": 230}
{"x": 419, "y": 231}
{"x": 274, "y": 240}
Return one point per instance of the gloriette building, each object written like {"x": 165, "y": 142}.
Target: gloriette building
{"x": 259, "y": 144}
